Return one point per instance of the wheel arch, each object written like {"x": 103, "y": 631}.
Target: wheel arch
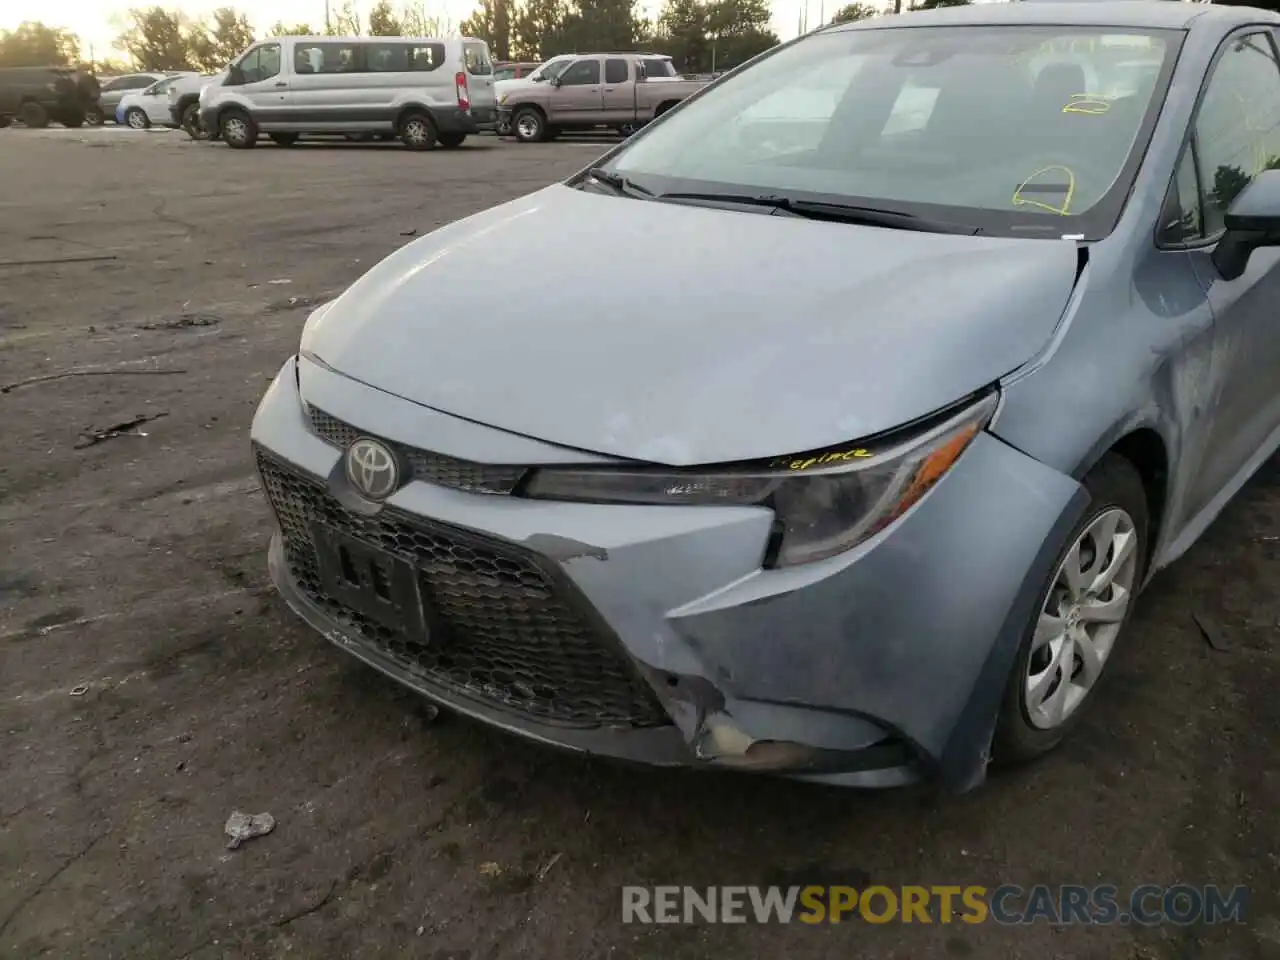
{"x": 405, "y": 109}
{"x": 1147, "y": 450}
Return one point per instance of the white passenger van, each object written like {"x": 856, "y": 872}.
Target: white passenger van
{"x": 424, "y": 90}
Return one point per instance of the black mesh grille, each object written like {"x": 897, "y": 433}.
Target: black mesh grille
{"x": 427, "y": 466}
{"x": 503, "y": 629}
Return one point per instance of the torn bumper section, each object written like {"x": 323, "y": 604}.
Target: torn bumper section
{"x": 651, "y": 633}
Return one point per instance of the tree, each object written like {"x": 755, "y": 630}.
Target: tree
{"x": 538, "y": 30}
{"x": 346, "y": 21}
{"x": 706, "y": 35}
{"x": 383, "y": 22}
{"x": 937, "y": 4}
{"x": 32, "y": 44}
{"x": 281, "y": 29}
{"x": 418, "y": 23}
{"x": 602, "y": 25}
{"x": 157, "y": 39}
{"x": 215, "y": 45}
{"x": 491, "y": 22}
{"x": 853, "y": 12}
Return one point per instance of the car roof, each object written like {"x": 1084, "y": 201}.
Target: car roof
{"x": 1150, "y": 14}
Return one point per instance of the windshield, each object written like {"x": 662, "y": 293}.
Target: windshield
{"x": 552, "y": 68}
{"x": 1013, "y": 130}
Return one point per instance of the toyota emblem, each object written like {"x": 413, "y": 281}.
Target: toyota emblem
{"x": 372, "y": 469}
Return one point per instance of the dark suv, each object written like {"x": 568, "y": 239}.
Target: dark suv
{"x": 36, "y": 95}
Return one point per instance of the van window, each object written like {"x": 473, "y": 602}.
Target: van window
{"x": 326, "y": 58}
{"x": 476, "y": 58}
{"x": 387, "y": 57}
{"x": 261, "y": 63}
{"x": 426, "y": 56}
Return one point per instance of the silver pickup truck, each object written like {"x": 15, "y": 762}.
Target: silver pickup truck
{"x": 618, "y": 90}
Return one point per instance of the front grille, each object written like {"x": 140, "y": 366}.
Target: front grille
{"x": 503, "y": 629}
{"x": 425, "y": 465}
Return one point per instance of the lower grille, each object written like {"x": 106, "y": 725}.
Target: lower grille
{"x": 504, "y": 630}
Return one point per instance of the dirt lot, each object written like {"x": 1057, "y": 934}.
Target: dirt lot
{"x": 150, "y": 683}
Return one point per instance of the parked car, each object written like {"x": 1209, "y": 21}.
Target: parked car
{"x": 184, "y": 102}
{"x": 864, "y": 495}
{"x": 617, "y": 90}
{"x": 424, "y": 90}
{"x": 114, "y": 89}
{"x": 141, "y": 109}
{"x": 37, "y": 95}
{"x": 539, "y": 74}
{"x": 506, "y": 70}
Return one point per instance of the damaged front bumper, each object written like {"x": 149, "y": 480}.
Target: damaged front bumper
{"x": 880, "y": 667}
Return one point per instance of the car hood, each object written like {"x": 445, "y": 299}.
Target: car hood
{"x": 683, "y": 335}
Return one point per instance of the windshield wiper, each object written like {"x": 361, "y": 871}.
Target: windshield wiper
{"x": 619, "y": 183}
{"x": 835, "y": 212}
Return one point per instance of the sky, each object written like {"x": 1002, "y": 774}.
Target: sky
{"x": 97, "y": 22}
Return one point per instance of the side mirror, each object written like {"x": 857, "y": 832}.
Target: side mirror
{"x": 1252, "y": 221}
{"x": 554, "y": 81}
{"x": 235, "y": 76}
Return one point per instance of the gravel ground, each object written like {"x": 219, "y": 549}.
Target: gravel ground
{"x": 151, "y": 683}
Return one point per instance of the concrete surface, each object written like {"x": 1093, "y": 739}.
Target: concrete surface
{"x": 150, "y": 683}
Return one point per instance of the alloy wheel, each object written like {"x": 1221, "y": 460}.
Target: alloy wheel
{"x": 233, "y": 128}
{"x": 415, "y": 131}
{"x": 1080, "y": 619}
{"x": 528, "y": 127}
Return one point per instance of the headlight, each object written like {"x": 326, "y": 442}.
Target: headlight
{"x": 824, "y": 502}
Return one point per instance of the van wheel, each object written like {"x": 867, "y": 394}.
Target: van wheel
{"x": 417, "y": 131}
{"x": 191, "y": 122}
{"x": 283, "y": 139}
{"x": 451, "y": 140}
{"x": 529, "y": 125}
{"x": 239, "y": 130}
{"x": 136, "y": 119}
{"x": 35, "y": 116}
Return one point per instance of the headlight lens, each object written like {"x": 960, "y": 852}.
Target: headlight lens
{"x": 825, "y": 503}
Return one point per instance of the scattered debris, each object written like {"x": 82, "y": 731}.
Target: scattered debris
{"x": 128, "y": 428}
{"x": 292, "y": 303}
{"x": 80, "y": 689}
{"x": 1212, "y": 632}
{"x": 184, "y": 321}
{"x": 88, "y": 373}
{"x": 546, "y": 867}
{"x": 307, "y": 911}
{"x": 491, "y": 869}
{"x": 245, "y": 826}
{"x": 52, "y": 260}
{"x": 282, "y": 280}
{"x": 409, "y": 233}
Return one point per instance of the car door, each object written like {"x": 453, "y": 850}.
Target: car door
{"x": 330, "y": 89}
{"x": 155, "y": 101}
{"x": 1234, "y": 137}
{"x": 619, "y": 90}
{"x": 479, "y": 67}
{"x": 263, "y": 84}
{"x": 578, "y": 99}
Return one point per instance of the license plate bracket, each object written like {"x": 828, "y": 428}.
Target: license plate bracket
{"x": 382, "y": 586}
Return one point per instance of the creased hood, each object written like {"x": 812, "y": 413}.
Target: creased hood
{"x": 685, "y": 335}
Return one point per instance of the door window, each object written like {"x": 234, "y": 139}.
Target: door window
{"x": 476, "y": 58}
{"x": 582, "y": 73}
{"x": 1237, "y": 131}
{"x": 261, "y": 63}
{"x": 615, "y": 71}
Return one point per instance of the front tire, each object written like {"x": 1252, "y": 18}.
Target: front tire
{"x": 418, "y": 132}
{"x": 451, "y": 141}
{"x": 529, "y": 125}
{"x": 136, "y": 119}
{"x": 94, "y": 116}
{"x": 191, "y": 123}
{"x": 238, "y": 130}
{"x": 1082, "y": 612}
{"x": 34, "y": 116}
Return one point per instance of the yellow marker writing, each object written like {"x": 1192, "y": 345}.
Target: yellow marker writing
{"x": 1069, "y": 191}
